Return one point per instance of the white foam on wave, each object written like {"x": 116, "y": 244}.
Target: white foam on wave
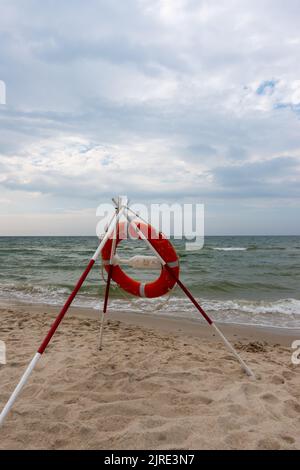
{"x": 284, "y": 313}
{"x": 34, "y": 293}
{"x": 230, "y": 248}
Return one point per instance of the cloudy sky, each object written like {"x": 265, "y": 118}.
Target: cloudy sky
{"x": 163, "y": 100}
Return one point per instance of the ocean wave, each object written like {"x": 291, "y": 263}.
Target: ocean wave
{"x": 226, "y": 268}
{"x": 267, "y": 248}
{"x": 287, "y": 306}
{"x": 284, "y": 313}
{"x": 230, "y": 248}
{"x": 249, "y": 248}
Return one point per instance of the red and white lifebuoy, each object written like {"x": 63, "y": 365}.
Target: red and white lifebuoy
{"x": 165, "y": 249}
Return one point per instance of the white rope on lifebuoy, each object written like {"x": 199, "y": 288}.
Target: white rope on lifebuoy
{"x": 129, "y": 298}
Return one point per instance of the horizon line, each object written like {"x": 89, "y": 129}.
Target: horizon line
{"x": 210, "y": 235}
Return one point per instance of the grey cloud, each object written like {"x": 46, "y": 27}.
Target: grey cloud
{"x": 127, "y": 75}
{"x": 276, "y": 178}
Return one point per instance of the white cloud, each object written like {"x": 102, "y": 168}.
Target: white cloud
{"x": 150, "y": 97}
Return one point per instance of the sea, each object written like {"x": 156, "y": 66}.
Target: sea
{"x": 250, "y": 280}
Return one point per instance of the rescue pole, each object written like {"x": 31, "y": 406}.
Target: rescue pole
{"x": 109, "y": 275}
{"x": 58, "y": 319}
{"x": 190, "y": 296}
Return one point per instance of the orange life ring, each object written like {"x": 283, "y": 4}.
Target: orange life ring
{"x": 162, "y": 245}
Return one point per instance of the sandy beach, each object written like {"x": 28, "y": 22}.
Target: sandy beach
{"x": 158, "y": 383}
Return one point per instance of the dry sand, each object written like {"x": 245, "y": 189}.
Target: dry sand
{"x": 157, "y": 384}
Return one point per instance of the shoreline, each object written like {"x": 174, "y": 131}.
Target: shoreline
{"x": 174, "y": 325}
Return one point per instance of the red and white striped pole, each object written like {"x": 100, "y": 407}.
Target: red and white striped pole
{"x": 189, "y": 295}
{"x": 59, "y": 318}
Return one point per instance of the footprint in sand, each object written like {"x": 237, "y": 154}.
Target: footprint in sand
{"x": 60, "y": 412}
{"x": 291, "y": 408}
{"x": 195, "y": 399}
{"x": 228, "y": 423}
{"x": 114, "y": 424}
{"x": 250, "y": 389}
{"x": 236, "y": 409}
{"x": 287, "y": 439}
{"x": 277, "y": 380}
{"x": 288, "y": 375}
{"x": 269, "y": 398}
{"x": 268, "y": 444}
{"x": 215, "y": 370}
{"x": 235, "y": 440}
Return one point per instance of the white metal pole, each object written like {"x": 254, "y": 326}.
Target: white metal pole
{"x": 102, "y": 316}
{"x": 56, "y": 323}
{"x": 113, "y": 249}
{"x": 234, "y": 352}
{"x": 224, "y": 339}
{"x": 101, "y": 330}
{"x": 19, "y": 387}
